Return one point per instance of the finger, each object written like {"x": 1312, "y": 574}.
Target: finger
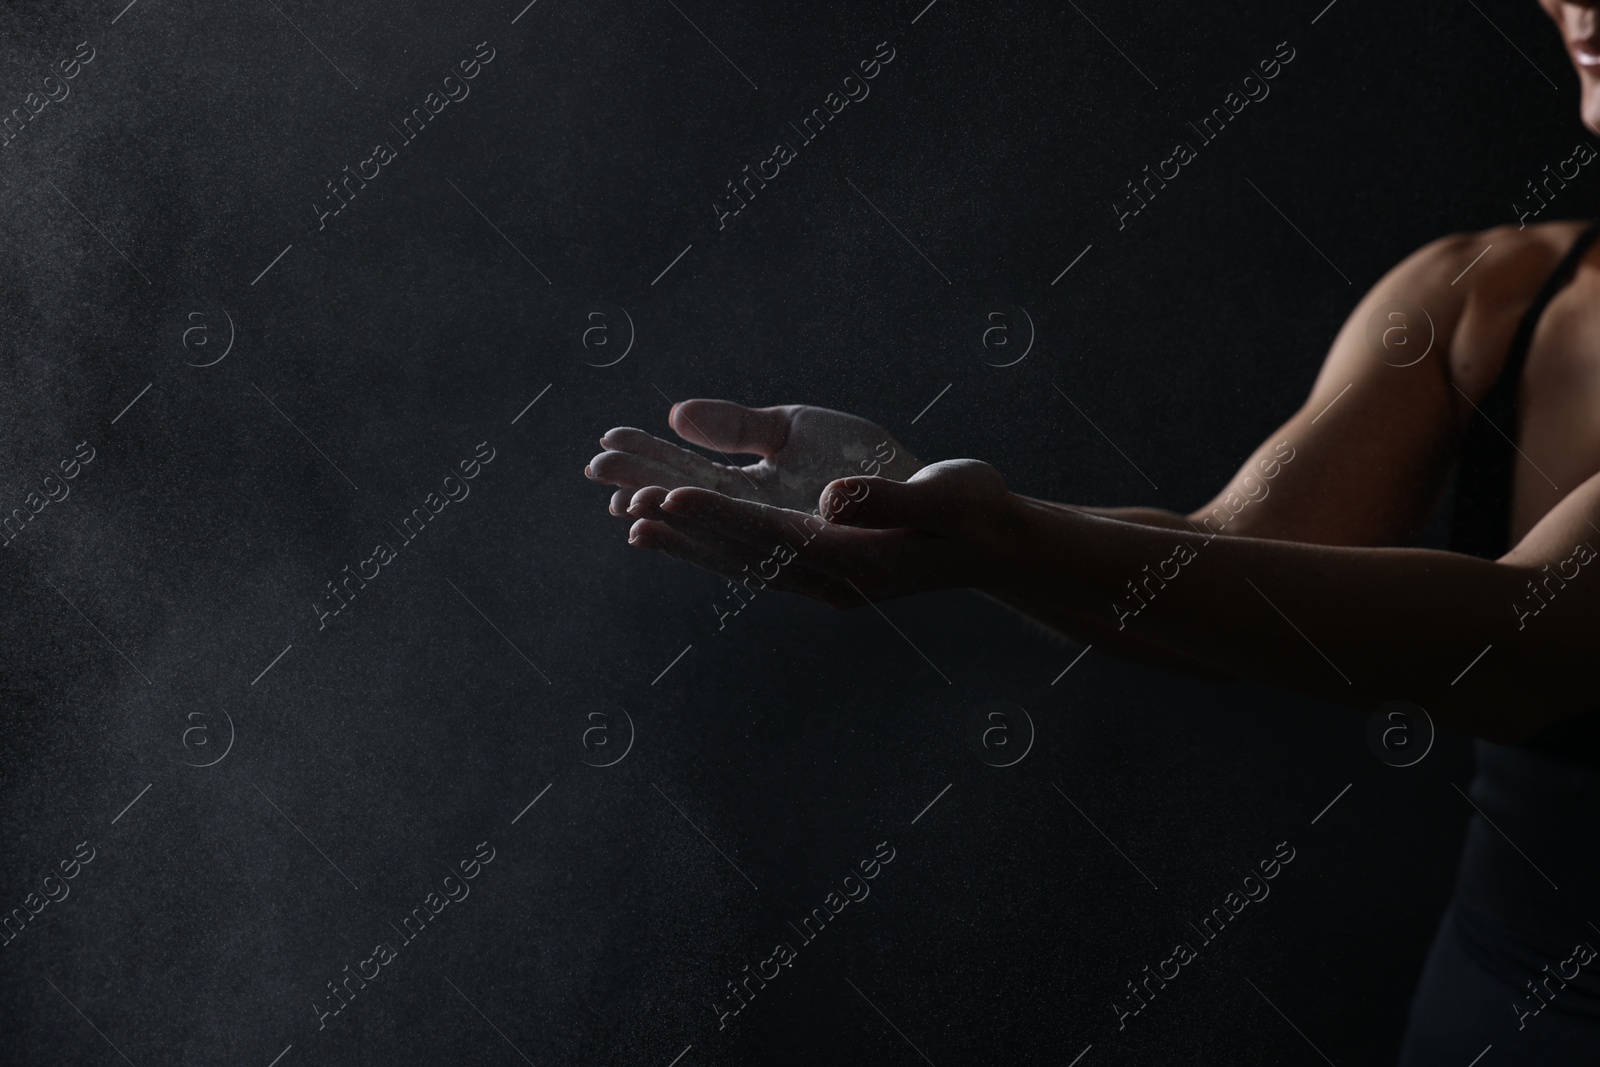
{"x": 726, "y": 558}
{"x": 827, "y": 561}
{"x": 744, "y": 520}
{"x": 628, "y": 439}
{"x": 750, "y": 570}
{"x": 728, "y": 427}
{"x": 731, "y": 559}
{"x": 828, "y": 550}
{"x": 647, "y": 504}
{"x": 629, "y": 471}
{"x": 670, "y": 466}
{"x": 619, "y": 502}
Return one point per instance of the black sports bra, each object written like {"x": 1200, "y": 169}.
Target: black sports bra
{"x": 1481, "y": 517}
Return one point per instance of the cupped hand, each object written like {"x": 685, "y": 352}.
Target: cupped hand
{"x": 801, "y": 450}
{"x": 877, "y": 538}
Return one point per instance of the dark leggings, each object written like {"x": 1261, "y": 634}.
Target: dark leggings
{"x": 1508, "y": 924}
{"x": 1470, "y": 984}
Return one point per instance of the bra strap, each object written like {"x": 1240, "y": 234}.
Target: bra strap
{"x": 1481, "y": 518}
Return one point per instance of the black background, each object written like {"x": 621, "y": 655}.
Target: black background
{"x": 407, "y": 731}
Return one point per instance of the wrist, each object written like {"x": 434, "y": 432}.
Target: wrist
{"x": 1003, "y": 559}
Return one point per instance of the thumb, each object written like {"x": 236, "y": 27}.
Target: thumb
{"x": 872, "y": 503}
{"x": 939, "y": 498}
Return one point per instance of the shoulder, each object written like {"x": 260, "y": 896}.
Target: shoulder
{"x": 1473, "y": 288}
{"x": 1494, "y": 276}
{"x": 1471, "y": 284}
{"x": 1462, "y": 274}
{"x": 1500, "y": 262}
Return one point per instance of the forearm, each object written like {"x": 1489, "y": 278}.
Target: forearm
{"x": 1100, "y": 629}
{"x": 1158, "y": 517}
{"x": 1358, "y": 626}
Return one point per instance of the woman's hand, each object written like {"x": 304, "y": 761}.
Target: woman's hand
{"x": 877, "y": 538}
{"x": 802, "y": 449}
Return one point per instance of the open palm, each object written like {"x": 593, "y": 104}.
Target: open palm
{"x": 801, "y": 450}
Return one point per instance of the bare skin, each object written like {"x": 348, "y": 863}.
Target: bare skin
{"x": 1303, "y": 586}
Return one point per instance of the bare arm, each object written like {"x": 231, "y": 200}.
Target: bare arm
{"x": 1289, "y": 576}
{"x": 1496, "y": 648}
{"x": 1363, "y": 461}
{"x": 1364, "y": 458}
{"x": 1354, "y": 625}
